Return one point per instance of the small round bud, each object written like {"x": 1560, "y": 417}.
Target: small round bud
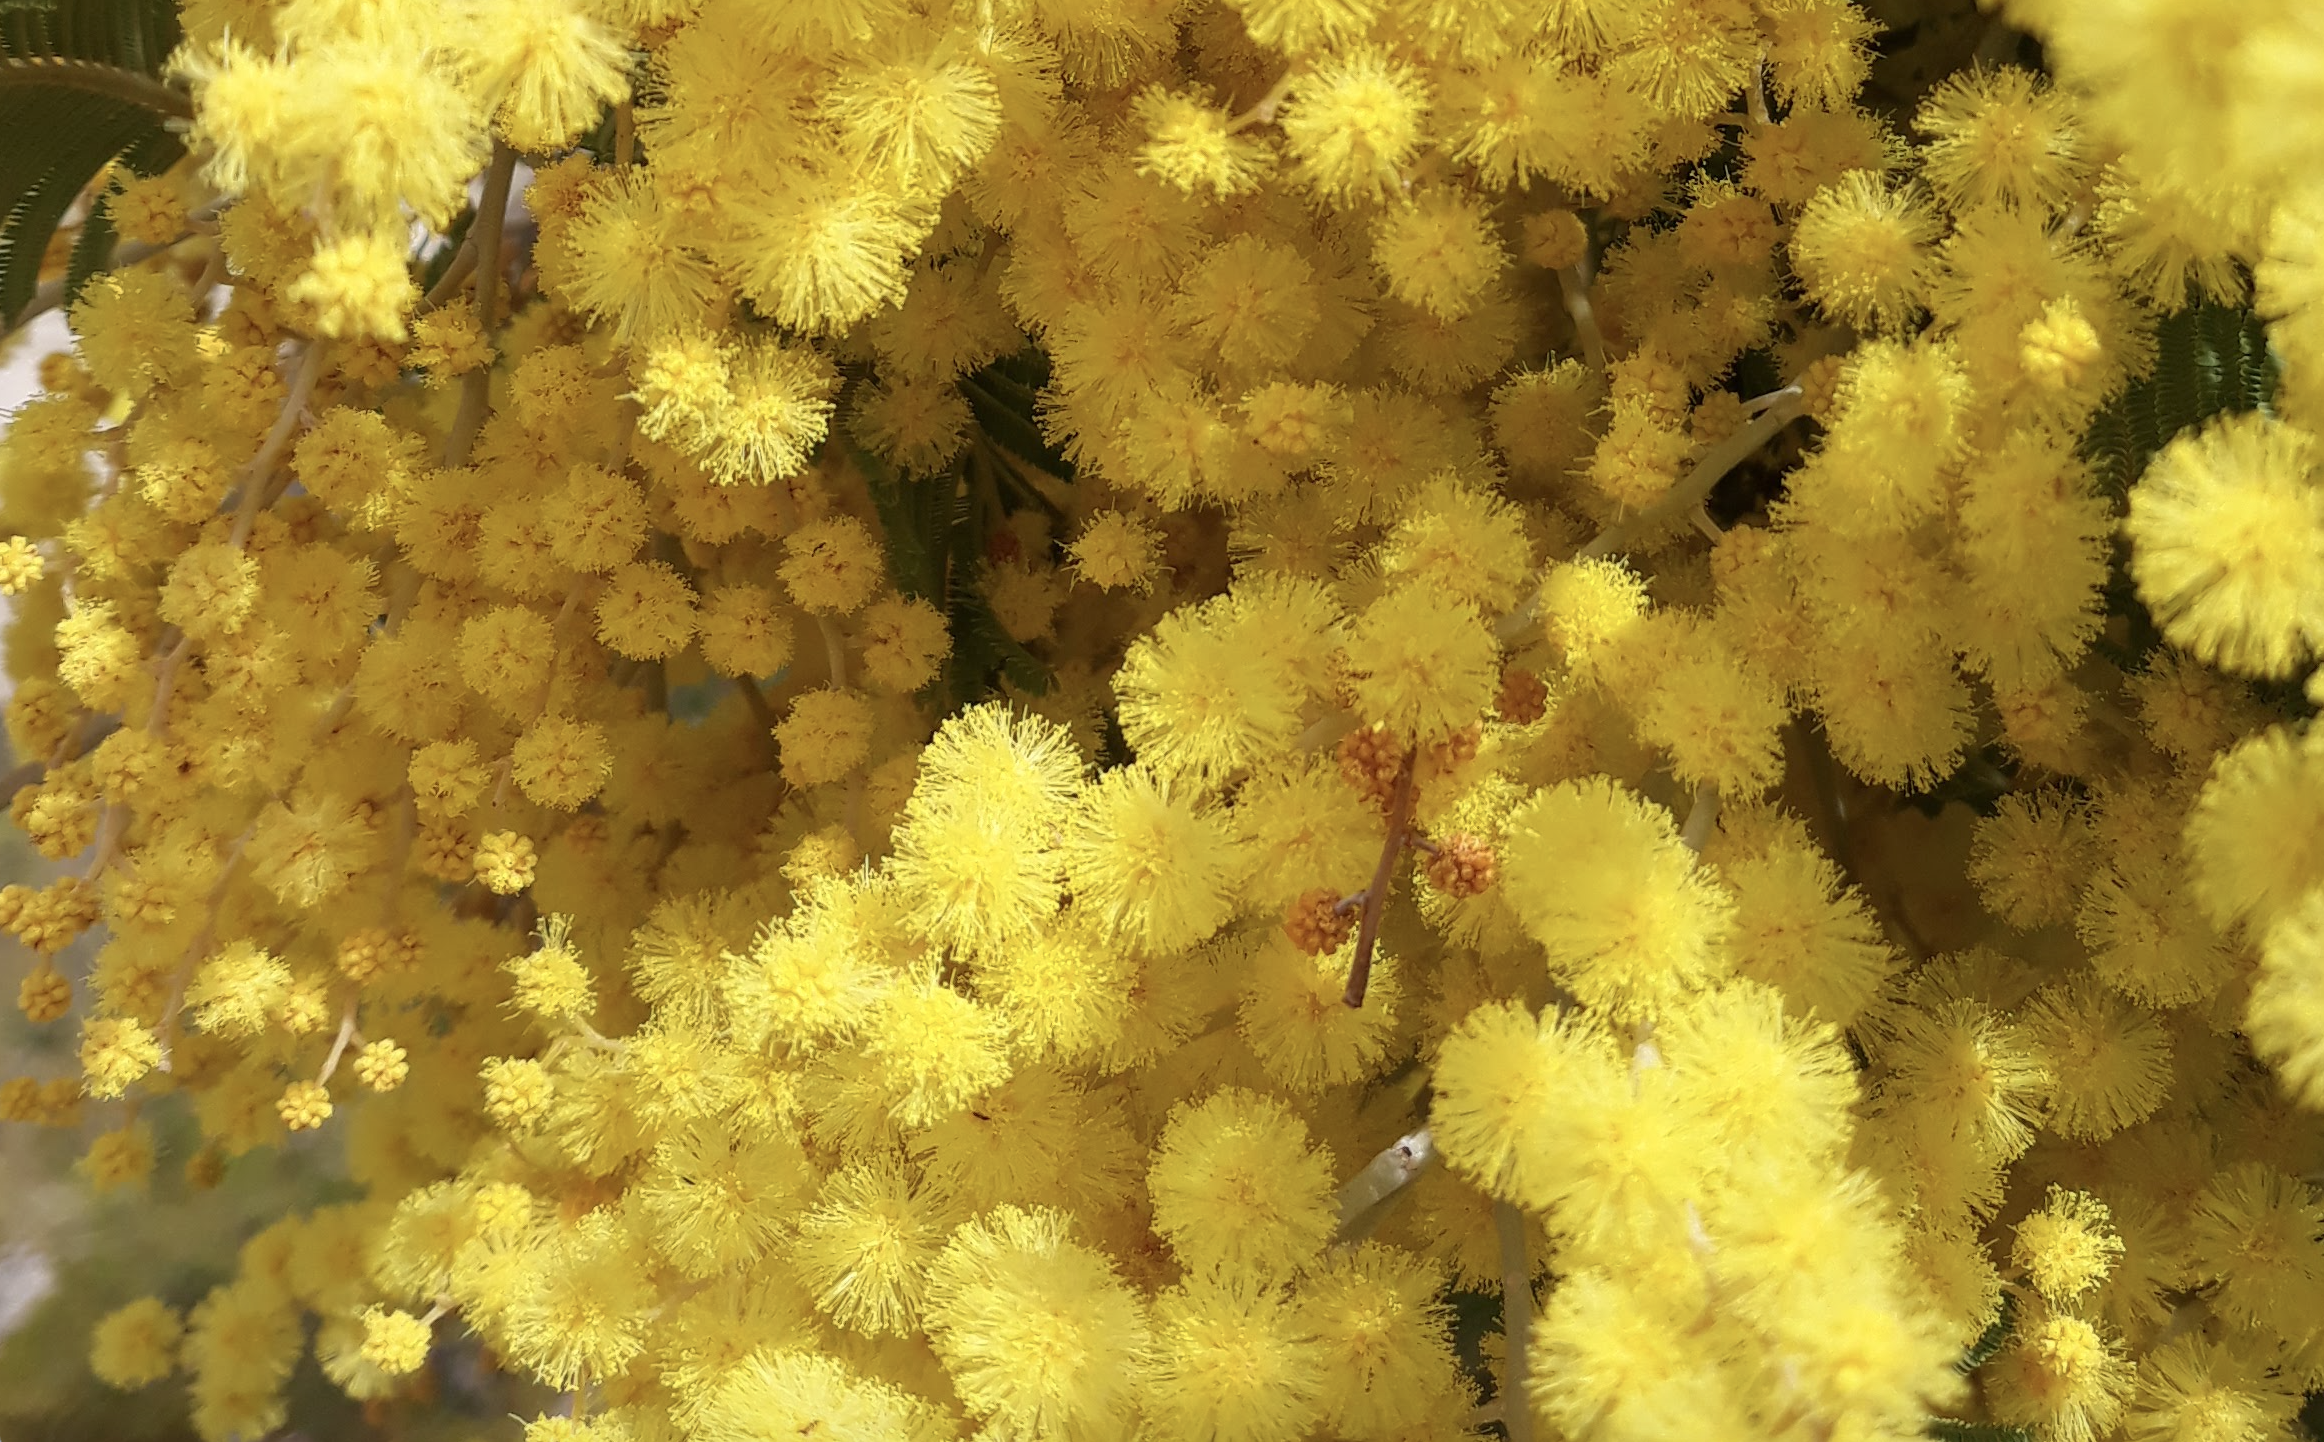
{"x": 394, "y": 1342}
{"x": 517, "y": 1091}
{"x": 1315, "y": 923}
{"x": 505, "y": 862}
{"x": 381, "y": 1065}
{"x": 305, "y": 1105}
{"x": 1369, "y": 761}
{"x": 20, "y": 566}
{"x": 1463, "y": 866}
{"x": 44, "y": 995}
{"x": 1524, "y": 697}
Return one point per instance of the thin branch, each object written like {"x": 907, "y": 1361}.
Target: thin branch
{"x": 1690, "y": 491}
{"x": 1364, "y": 1201}
{"x": 763, "y": 718}
{"x": 339, "y": 1044}
{"x": 1516, "y": 1320}
{"x": 455, "y": 275}
{"x": 51, "y": 293}
{"x": 1376, "y": 896}
{"x": 1701, "y": 819}
{"x": 84, "y": 734}
{"x": 834, "y": 648}
{"x": 476, "y": 386}
{"x": 165, "y": 684}
{"x": 1698, "y": 482}
{"x": 25, "y": 773}
{"x": 261, "y": 467}
{"x": 92, "y": 77}
{"x": 1573, "y": 284}
{"x": 112, "y": 824}
{"x": 1262, "y": 111}
{"x": 1839, "y": 840}
{"x": 200, "y": 221}
{"x": 1325, "y": 732}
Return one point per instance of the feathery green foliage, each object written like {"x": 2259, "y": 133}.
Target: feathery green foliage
{"x": 79, "y": 88}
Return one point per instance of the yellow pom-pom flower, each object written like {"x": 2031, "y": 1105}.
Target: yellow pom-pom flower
{"x": 1354, "y": 121}
{"x": 1232, "y": 1361}
{"x": 20, "y": 566}
{"x": 1235, "y": 1184}
{"x": 2227, "y": 544}
{"x": 359, "y": 287}
{"x": 1423, "y": 663}
{"x": 1159, "y": 869}
{"x": 2067, "y": 1246}
{"x": 394, "y": 1342}
{"x": 1438, "y": 253}
{"x": 136, "y": 1345}
{"x": 1861, "y": 250}
{"x": 1035, "y": 1329}
{"x": 1601, "y": 879}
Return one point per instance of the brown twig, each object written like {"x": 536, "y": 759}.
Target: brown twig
{"x": 347, "y": 1035}
{"x": 1262, "y": 111}
{"x": 763, "y": 716}
{"x": 261, "y": 468}
{"x": 1691, "y": 490}
{"x": 1573, "y": 286}
{"x": 476, "y": 386}
{"x": 1376, "y": 895}
{"x": 1516, "y": 1320}
{"x": 200, "y": 945}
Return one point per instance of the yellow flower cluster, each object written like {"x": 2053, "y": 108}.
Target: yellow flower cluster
{"x": 1512, "y": 496}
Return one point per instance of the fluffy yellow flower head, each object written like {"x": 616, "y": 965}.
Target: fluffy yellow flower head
{"x": 2227, "y": 544}
{"x": 136, "y": 1344}
{"x": 358, "y": 286}
{"x": 1599, "y": 877}
{"x": 1236, "y": 1184}
{"x": 1036, "y": 1329}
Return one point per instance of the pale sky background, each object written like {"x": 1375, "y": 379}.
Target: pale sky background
{"x": 20, "y": 377}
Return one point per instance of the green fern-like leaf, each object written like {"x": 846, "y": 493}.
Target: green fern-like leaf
{"x": 93, "y": 251}
{"x": 79, "y": 89}
{"x": 54, "y": 159}
{"x": 1990, "y": 1342}
{"x": 136, "y": 36}
{"x": 1005, "y": 398}
{"x": 2210, "y": 360}
{"x": 936, "y": 528}
{"x": 1948, "y": 1429}
{"x": 918, "y": 514}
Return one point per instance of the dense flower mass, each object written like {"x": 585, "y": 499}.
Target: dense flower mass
{"x": 1064, "y": 721}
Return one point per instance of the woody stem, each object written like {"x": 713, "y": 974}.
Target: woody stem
{"x": 1376, "y": 895}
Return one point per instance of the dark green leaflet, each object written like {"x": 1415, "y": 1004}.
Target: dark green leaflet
{"x": 78, "y": 89}
{"x": 2210, "y": 360}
